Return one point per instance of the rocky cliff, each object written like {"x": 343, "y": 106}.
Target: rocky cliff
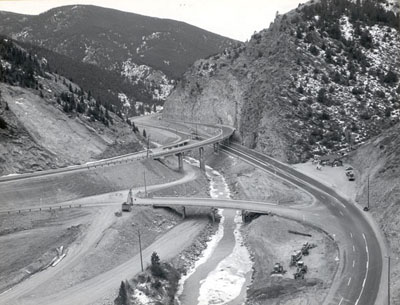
{"x": 321, "y": 78}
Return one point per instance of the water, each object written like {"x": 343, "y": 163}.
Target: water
{"x": 223, "y": 271}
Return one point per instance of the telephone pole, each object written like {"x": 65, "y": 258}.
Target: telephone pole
{"x": 145, "y": 187}
{"x": 368, "y": 192}
{"x": 140, "y": 250}
{"x": 148, "y": 145}
{"x": 388, "y": 257}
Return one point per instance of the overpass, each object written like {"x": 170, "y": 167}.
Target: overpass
{"x": 224, "y": 133}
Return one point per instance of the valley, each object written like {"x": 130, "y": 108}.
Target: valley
{"x": 147, "y": 161}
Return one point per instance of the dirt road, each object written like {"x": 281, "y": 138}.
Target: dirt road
{"x": 35, "y": 289}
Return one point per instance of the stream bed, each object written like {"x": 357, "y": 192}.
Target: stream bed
{"x": 223, "y": 271}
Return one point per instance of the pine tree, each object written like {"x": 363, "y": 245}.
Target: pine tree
{"x": 122, "y": 298}
{"x": 3, "y": 123}
{"x": 144, "y": 133}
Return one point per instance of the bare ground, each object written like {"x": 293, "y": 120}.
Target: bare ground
{"x": 269, "y": 242}
{"x": 29, "y": 240}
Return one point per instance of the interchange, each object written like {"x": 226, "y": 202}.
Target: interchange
{"x": 358, "y": 278}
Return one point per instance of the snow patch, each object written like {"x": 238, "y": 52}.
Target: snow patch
{"x": 225, "y": 283}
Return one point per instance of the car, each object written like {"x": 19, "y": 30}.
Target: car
{"x": 349, "y": 169}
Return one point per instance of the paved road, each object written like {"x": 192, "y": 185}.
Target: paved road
{"x": 359, "y": 276}
{"x": 224, "y": 133}
{"x": 31, "y": 291}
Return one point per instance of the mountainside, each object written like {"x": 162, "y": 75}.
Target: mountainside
{"x": 149, "y": 52}
{"x": 47, "y": 121}
{"x": 379, "y": 160}
{"x": 322, "y": 78}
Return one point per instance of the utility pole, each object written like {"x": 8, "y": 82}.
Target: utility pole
{"x": 148, "y": 145}
{"x": 368, "y": 192}
{"x": 140, "y": 250}
{"x": 388, "y": 257}
{"x": 145, "y": 187}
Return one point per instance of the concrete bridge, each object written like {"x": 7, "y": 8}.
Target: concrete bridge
{"x": 179, "y": 149}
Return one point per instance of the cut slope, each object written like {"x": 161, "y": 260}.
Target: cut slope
{"x": 320, "y": 79}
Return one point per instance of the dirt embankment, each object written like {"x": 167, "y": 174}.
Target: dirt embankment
{"x": 379, "y": 161}
{"x": 36, "y": 237}
{"x": 270, "y": 242}
{"x": 40, "y": 135}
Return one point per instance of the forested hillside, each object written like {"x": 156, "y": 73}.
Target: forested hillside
{"x": 322, "y": 78}
{"x": 47, "y": 121}
{"x": 131, "y": 60}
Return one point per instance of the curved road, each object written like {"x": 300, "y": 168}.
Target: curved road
{"x": 359, "y": 275}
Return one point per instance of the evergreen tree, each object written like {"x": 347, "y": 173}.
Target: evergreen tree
{"x": 3, "y": 123}
{"x": 122, "y": 298}
{"x": 144, "y": 133}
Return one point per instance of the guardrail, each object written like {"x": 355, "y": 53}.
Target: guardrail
{"x": 225, "y": 132}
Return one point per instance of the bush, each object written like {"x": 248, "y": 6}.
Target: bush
{"x": 357, "y": 91}
{"x": 380, "y": 93}
{"x": 314, "y": 51}
{"x": 366, "y": 39}
{"x": 391, "y": 77}
{"x": 365, "y": 115}
{"x": 300, "y": 89}
{"x": 321, "y": 98}
{"x": 3, "y": 123}
{"x": 156, "y": 269}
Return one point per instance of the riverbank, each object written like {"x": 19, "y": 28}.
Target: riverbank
{"x": 269, "y": 241}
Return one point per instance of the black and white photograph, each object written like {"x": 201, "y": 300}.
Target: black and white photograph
{"x": 186, "y": 152}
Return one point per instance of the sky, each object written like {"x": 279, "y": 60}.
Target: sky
{"x": 237, "y": 19}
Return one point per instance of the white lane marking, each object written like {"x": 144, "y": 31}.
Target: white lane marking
{"x": 366, "y": 271}
{"x": 354, "y": 262}
{"x": 354, "y": 249}
{"x": 351, "y": 235}
{"x": 348, "y": 283}
{"x": 285, "y": 172}
{"x": 341, "y": 213}
{"x": 341, "y": 300}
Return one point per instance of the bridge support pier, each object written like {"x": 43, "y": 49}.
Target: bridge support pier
{"x": 201, "y": 158}
{"x": 243, "y": 213}
{"x": 183, "y": 212}
{"x": 180, "y": 161}
{"x": 216, "y": 148}
{"x": 213, "y": 211}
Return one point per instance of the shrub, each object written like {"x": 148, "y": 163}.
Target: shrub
{"x": 3, "y": 123}
{"x": 391, "y": 77}
{"x": 300, "y": 89}
{"x": 321, "y": 98}
{"x": 357, "y": 91}
{"x": 365, "y": 115}
{"x": 314, "y": 51}
{"x": 156, "y": 269}
{"x": 366, "y": 39}
{"x": 380, "y": 93}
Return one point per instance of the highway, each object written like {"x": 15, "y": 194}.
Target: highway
{"x": 358, "y": 278}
